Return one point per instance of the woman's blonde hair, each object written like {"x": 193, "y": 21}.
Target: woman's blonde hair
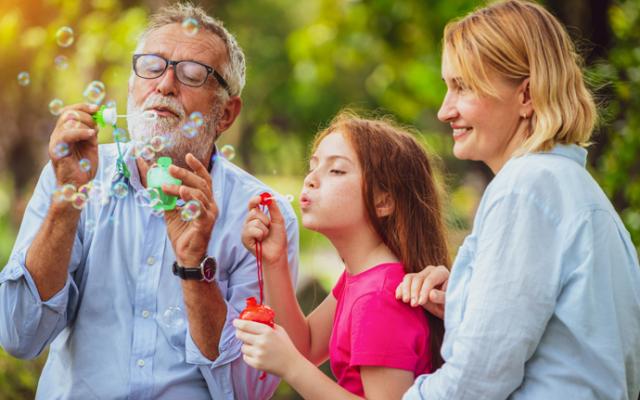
{"x": 518, "y": 40}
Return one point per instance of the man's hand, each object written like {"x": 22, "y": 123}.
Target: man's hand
{"x": 426, "y": 288}
{"x": 77, "y": 130}
{"x": 191, "y": 239}
{"x": 272, "y": 233}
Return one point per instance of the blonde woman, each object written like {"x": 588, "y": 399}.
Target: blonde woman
{"x": 543, "y": 300}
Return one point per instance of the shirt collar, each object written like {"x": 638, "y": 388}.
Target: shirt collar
{"x": 572, "y": 152}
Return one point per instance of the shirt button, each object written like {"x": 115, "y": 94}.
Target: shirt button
{"x": 151, "y": 260}
{"x": 145, "y": 314}
{"x": 141, "y": 363}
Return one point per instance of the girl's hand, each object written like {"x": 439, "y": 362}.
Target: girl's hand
{"x": 271, "y": 232}
{"x": 267, "y": 349}
{"x": 426, "y": 288}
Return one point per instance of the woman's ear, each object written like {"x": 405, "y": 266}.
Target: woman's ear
{"x": 384, "y": 205}
{"x": 524, "y": 99}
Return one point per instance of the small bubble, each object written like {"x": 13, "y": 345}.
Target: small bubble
{"x": 89, "y": 225}
{"x": 78, "y": 200}
{"x": 172, "y": 317}
{"x": 157, "y": 213}
{"x": 94, "y": 92}
{"x": 23, "y": 78}
{"x": 157, "y": 143}
{"x": 150, "y": 115}
{"x": 110, "y": 104}
{"x": 120, "y": 190}
{"x": 67, "y": 191}
{"x": 189, "y": 130}
{"x": 55, "y": 106}
{"x": 197, "y": 119}
{"x": 61, "y": 62}
{"x": 61, "y": 150}
{"x": 64, "y": 36}
{"x": 120, "y": 135}
{"x": 147, "y": 197}
{"x": 190, "y": 26}
{"x": 289, "y": 198}
{"x": 98, "y": 194}
{"x": 85, "y": 165}
{"x": 72, "y": 119}
{"x": 85, "y": 189}
{"x": 190, "y": 211}
{"x": 227, "y": 151}
{"x": 58, "y": 196}
{"x": 147, "y": 153}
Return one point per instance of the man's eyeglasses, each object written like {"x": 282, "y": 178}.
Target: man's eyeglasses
{"x": 190, "y": 73}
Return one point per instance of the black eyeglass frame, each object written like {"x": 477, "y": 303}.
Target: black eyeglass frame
{"x": 210, "y": 70}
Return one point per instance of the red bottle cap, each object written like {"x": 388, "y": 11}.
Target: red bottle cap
{"x": 265, "y": 199}
{"x": 261, "y": 313}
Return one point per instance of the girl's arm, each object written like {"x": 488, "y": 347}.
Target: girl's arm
{"x": 271, "y": 350}
{"x": 309, "y": 334}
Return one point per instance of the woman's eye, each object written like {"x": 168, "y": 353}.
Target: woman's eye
{"x": 337, "y": 171}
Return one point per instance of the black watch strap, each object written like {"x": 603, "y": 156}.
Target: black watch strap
{"x": 187, "y": 273}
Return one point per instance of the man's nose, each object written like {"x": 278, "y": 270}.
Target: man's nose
{"x": 168, "y": 82}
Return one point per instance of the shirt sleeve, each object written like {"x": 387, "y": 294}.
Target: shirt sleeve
{"x": 511, "y": 296}
{"x": 28, "y": 324}
{"x": 386, "y": 333}
{"x": 228, "y": 376}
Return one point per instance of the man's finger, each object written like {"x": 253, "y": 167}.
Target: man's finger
{"x": 189, "y": 178}
{"x": 198, "y": 168}
{"x": 79, "y": 112}
{"x": 75, "y": 135}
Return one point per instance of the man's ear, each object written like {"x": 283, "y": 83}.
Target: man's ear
{"x": 384, "y": 205}
{"x": 229, "y": 114}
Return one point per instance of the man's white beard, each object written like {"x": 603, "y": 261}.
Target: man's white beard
{"x": 142, "y": 129}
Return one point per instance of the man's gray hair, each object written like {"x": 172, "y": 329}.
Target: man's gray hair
{"x": 234, "y": 71}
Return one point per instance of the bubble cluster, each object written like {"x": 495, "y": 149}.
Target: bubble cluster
{"x": 64, "y": 36}
{"x": 190, "y": 211}
{"x": 190, "y": 26}
{"x": 228, "y": 151}
{"x": 61, "y": 150}
{"x": 85, "y": 165}
{"x": 94, "y": 92}
{"x": 24, "y": 78}
{"x": 120, "y": 190}
{"x": 61, "y": 62}
{"x": 55, "y": 106}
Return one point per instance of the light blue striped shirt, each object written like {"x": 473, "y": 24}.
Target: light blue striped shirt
{"x": 544, "y": 295}
{"x": 118, "y": 329}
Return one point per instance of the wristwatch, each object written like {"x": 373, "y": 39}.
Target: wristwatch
{"x": 206, "y": 271}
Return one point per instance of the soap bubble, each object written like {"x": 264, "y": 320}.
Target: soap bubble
{"x": 61, "y": 150}
{"x": 61, "y": 62}
{"x": 189, "y": 130}
{"x": 67, "y": 191}
{"x": 157, "y": 213}
{"x": 55, "y": 106}
{"x": 289, "y": 197}
{"x": 94, "y": 92}
{"x": 98, "y": 193}
{"x": 89, "y": 225}
{"x": 78, "y": 200}
{"x": 190, "y": 26}
{"x": 227, "y": 151}
{"x": 120, "y": 190}
{"x": 57, "y": 195}
{"x": 85, "y": 189}
{"x": 147, "y": 153}
{"x": 120, "y": 135}
{"x": 157, "y": 143}
{"x": 23, "y": 78}
{"x": 190, "y": 211}
{"x": 72, "y": 119}
{"x": 147, "y": 197}
{"x": 85, "y": 165}
{"x": 150, "y": 115}
{"x": 64, "y": 36}
{"x": 197, "y": 119}
{"x": 172, "y": 317}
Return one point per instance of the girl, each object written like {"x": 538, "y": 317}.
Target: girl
{"x": 370, "y": 190}
{"x": 543, "y": 301}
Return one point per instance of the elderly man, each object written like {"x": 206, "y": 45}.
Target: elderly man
{"x": 131, "y": 303}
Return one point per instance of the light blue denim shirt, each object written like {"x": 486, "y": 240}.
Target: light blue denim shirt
{"x": 118, "y": 329}
{"x": 544, "y": 295}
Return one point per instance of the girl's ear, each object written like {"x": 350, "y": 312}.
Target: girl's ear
{"x": 384, "y": 205}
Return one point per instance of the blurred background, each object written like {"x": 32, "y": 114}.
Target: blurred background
{"x": 305, "y": 61}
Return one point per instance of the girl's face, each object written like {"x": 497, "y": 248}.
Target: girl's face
{"x": 331, "y": 200}
{"x": 484, "y": 128}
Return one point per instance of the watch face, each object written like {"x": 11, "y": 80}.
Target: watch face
{"x": 209, "y": 269}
